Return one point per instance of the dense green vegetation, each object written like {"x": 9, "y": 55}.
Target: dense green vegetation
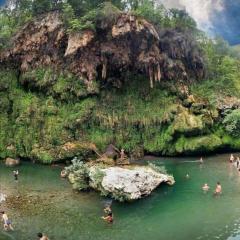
{"x": 48, "y": 114}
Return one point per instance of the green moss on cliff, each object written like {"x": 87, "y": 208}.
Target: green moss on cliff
{"x": 48, "y": 115}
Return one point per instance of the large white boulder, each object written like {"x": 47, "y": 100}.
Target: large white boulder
{"x": 127, "y": 183}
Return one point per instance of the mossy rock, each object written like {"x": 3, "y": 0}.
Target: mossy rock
{"x": 198, "y": 145}
{"x": 188, "y": 124}
{"x": 67, "y": 151}
{"x": 198, "y": 108}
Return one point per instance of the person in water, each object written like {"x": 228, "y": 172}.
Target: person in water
{"x": 187, "y": 176}
{"x": 42, "y": 237}
{"x": 16, "y": 174}
{"x": 238, "y": 162}
{"x": 108, "y": 209}
{"x": 201, "y": 160}
{"x": 205, "y": 187}
{"x": 218, "y": 190}
{"x": 231, "y": 159}
{"x": 7, "y": 224}
{"x": 108, "y": 218}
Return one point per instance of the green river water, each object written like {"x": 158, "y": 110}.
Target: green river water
{"x": 47, "y": 204}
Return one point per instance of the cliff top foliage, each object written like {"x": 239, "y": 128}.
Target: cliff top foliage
{"x": 80, "y": 14}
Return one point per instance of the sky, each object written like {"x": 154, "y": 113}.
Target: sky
{"x": 216, "y": 17}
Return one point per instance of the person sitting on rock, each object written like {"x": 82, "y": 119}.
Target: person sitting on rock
{"x": 108, "y": 218}
{"x": 122, "y": 154}
{"x": 42, "y": 237}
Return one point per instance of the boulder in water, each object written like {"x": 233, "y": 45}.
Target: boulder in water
{"x": 126, "y": 184}
{"x": 12, "y": 162}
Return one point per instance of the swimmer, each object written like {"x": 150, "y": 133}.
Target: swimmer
{"x": 205, "y": 187}
{"x": 42, "y": 237}
{"x": 187, "y": 176}
{"x": 63, "y": 174}
{"x": 16, "y": 174}
{"x": 7, "y": 224}
{"x": 231, "y": 159}
{"x": 201, "y": 160}
{"x": 108, "y": 218}
{"x": 108, "y": 209}
{"x": 218, "y": 190}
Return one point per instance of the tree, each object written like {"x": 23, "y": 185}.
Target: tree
{"x": 41, "y": 6}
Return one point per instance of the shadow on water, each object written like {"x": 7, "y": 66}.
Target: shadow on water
{"x": 181, "y": 212}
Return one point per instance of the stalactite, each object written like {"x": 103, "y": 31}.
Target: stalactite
{"x": 155, "y": 74}
{"x": 151, "y": 76}
{"x": 159, "y": 76}
{"x": 104, "y": 69}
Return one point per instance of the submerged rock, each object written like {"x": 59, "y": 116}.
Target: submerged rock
{"x": 128, "y": 183}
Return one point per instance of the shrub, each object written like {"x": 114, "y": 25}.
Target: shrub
{"x": 78, "y": 174}
{"x": 232, "y": 123}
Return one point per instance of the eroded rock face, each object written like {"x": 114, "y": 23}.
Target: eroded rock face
{"x": 129, "y": 183}
{"x": 129, "y": 44}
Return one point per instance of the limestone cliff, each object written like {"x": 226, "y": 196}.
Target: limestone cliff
{"x": 127, "y": 44}
{"x": 72, "y": 94}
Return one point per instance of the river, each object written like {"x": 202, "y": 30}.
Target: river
{"x": 42, "y": 202}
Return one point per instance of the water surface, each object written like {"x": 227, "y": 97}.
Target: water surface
{"x": 41, "y": 201}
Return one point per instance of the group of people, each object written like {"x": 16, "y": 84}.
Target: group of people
{"x": 218, "y": 189}
{"x": 7, "y": 223}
